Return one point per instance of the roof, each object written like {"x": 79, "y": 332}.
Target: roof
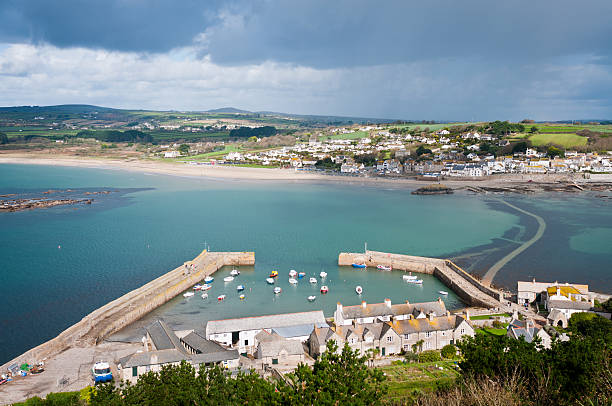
{"x": 297, "y": 331}
{"x": 272, "y": 345}
{"x": 564, "y": 290}
{"x": 198, "y": 342}
{"x": 537, "y": 287}
{"x": 362, "y": 330}
{"x": 382, "y": 309}
{"x": 152, "y": 358}
{"x": 442, "y": 323}
{"x": 261, "y": 322}
{"x": 162, "y": 336}
{"x": 519, "y": 328}
{"x": 323, "y": 334}
{"x": 569, "y": 304}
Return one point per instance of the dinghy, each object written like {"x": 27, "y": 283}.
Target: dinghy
{"x": 188, "y": 294}
{"x": 311, "y": 298}
{"x": 359, "y": 290}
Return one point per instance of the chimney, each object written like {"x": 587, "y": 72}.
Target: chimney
{"x": 515, "y": 314}
{"x": 363, "y": 304}
{"x": 467, "y": 314}
{"x": 339, "y": 307}
{"x": 447, "y": 313}
{"x": 534, "y": 280}
{"x": 407, "y": 302}
{"x": 558, "y": 291}
{"x": 431, "y": 316}
{"x": 439, "y": 300}
{"x": 388, "y": 302}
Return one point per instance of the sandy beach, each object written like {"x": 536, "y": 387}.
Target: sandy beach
{"x": 266, "y": 174}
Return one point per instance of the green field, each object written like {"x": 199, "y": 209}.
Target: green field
{"x": 406, "y": 379}
{"x": 350, "y": 136}
{"x": 563, "y": 140}
{"x": 491, "y": 331}
{"x": 489, "y": 316}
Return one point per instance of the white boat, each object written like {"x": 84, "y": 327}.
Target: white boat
{"x": 311, "y": 298}
{"x": 359, "y": 290}
{"x": 270, "y": 281}
{"x": 414, "y": 281}
{"x": 209, "y": 279}
{"x": 242, "y": 297}
{"x": 240, "y": 288}
{"x": 188, "y": 294}
{"x": 443, "y": 292}
{"x": 292, "y": 273}
{"x": 323, "y": 274}
{"x": 228, "y": 279}
{"x": 204, "y": 295}
{"x": 409, "y": 277}
{"x": 277, "y": 290}
{"x": 292, "y": 281}
{"x": 235, "y": 272}
{"x": 206, "y": 287}
{"x": 383, "y": 267}
{"x": 313, "y": 280}
{"x": 197, "y": 287}
{"x": 221, "y": 297}
{"x": 324, "y": 289}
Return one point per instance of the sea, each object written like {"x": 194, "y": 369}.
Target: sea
{"x": 58, "y": 264}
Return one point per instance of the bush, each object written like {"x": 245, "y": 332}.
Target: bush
{"x": 430, "y": 356}
{"x": 497, "y": 324}
{"x": 448, "y": 351}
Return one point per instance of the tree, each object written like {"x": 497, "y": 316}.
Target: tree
{"x": 533, "y": 129}
{"x": 553, "y": 151}
{"x": 335, "y": 379}
{"x": 418, "y": 346}
{"x": 184, "y": 149}
{"x": 448, "y": 351}
{"x": 421, "y": 150}
{"x": 520, "y": 147}
{"x": 3, "y": 138}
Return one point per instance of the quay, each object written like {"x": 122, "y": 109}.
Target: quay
{"x": 468, "y": 288}
{"x": 130, "y": 307}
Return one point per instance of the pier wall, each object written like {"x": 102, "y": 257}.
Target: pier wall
{"x": 463, "y": 284}
{"x": 130, "y": 307}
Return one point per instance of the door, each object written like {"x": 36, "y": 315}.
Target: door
{"x": 383, "y": 351}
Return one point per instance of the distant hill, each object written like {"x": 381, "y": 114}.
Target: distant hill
{"x": 229, "y": 110}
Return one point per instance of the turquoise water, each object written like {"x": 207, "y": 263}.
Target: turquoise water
{"x": 154, "y": 223}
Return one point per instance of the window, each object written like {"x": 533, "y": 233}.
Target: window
{"x": 389, "y": 339}
{"x": 462, "y": 331}
{"x": 406, "y": 336}
{"x": 428, "y": 334}
{"x": 134, "y": 371}
{"x": 274, "y": 361}
{"x": 246, "y": 342}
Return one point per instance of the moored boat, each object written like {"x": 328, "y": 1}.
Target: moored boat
{"x": 209, "y": 279}
{"x": 383, "y": 267}
{"x": 323, "y": 274}
{"x": 292, "y": 273}
{"x": 188, "y": 294}
{"x": 206, "y": 287}
{"x": 311, "y": 298}
{"x": 270, "y": 281}
{"x": 221, "y": 298}
{"x": 409, "y": 277}
{"x": 240, "y": 288}
{"x": 358, "y": 265}
{"x": 204, "y": 295}
{"x": 359, "y": 290}
{"x": 313, "y": 280}
{"x": 292, "y": 281}
{"x": 324, "y": 289}
{"x": 414, "y": 281}
{"x": 197, "y": 287}
{"x": 228, "y": 279}
{"x": 301, "y": 275}
{"x": 277, "y": 290}
{"x": 443, "y": 292}
{"x": 242, "y": 297}
{"x": 273, "y": 274}
{"x": 235, "y": 272}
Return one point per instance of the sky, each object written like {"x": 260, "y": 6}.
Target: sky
{"x": 404, "y": 59}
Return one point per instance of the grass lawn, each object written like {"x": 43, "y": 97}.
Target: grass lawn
{"x": 564, "y": 140}
{"x": 214, "y": 154}
{"x": 405, "y": 379}
{"x": 491, "y": 331}
{"x": 350, "y": 136}
{"x": 489, "y": 316}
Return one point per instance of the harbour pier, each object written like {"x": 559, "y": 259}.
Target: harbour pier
{"x": 130, "y": 307}
{"x": 472, "y": 291}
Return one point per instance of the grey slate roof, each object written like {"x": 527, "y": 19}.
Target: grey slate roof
{"x": 163, "y": 337}
{"x": 442, "y": 323}
{"x": 261, "y": 322}
{"x": 569, "y": 304}
{"x": 381, "y": 309}
{"x": 518, "y": 328}
{"x": 271, "y": 345}
{"x": 152, "y": 358}
{"x": 297, "y": 331}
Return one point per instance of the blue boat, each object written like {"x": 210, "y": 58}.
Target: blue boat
{"x": 240, "y": 288}
{"x": 359, "y": 265}
{"x": 301, "y": 275}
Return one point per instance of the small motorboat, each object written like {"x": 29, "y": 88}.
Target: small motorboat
{"x": 240, "y": 288}
{"x": 301, "y": 275}
{"x": 221, "y": 298}
{"x": 359, "y": 265}
{"x": 311, "y": 298}
{"x": 324, "y": 289}
{"x": 313, "y": 280}
{"x": 235, "y": 272}
{"x": 293, "y": 281}
{"x": 383, "y": 267}
{"x": 188, "y": 294}
{"x": 292, "y": 273}
{"x": 197, "y": 287}
{"x": 228, "y": 279}
{"x": 409, "y": 277}
{"x": 359, "y": 290}
{"x": 414, "y": 281}
{"x": 273, "y": 274}
{"x": 206, "y": 287}
{"x": 277, "y": 290}
{"x": 242, "y": 297}
{"x": 323, "y": 274}
{"x": 443, "y": 292}
{"x": 209, "y": 279}
{"x": 270, "y": 281}
{"x": 204, "y": 295}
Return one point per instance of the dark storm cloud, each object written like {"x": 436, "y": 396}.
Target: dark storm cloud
{"x": 125, "y": 25}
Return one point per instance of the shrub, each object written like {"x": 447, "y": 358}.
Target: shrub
{"x": 429, "y": 356}
{"x": 448, "y": 351}
{"x": 497, "y": 324}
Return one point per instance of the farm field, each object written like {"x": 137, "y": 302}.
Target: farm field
{"x": 563, "y": 140}
{"x": 350, "y": 136}
{"x": 405, "y": 379}
{"x": 568, "y": 128}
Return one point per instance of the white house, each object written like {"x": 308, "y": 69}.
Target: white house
{"x": 171, "y": 154}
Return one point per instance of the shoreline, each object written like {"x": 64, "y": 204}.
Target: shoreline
{"x": 268, "y": 174}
